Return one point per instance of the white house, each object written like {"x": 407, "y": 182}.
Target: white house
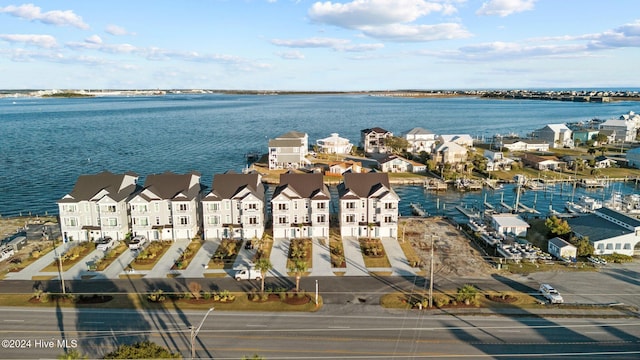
{"x": 633, "y": 157}
{"x": 460, "y": 139}
{"x": 420, "y": 140}
{"x": 626, "y": 126}
{"x": 522, "y": 145}
{"x": 340, "y": 167}
{"x": 497, "y": 161}
{"x": 167, "y": 207}
{"x": 300, "y": 207}
{"x": 97, "y": 206}
{"x": 509, "y": 224}
{"x": 451, "y": 153}
{"x": 609, "y": 231}
{"x": 556, "y": 135}
{"x": 395, "y": 163}
{"x": 288, "y": 151}
{"x": 334, "y": 144}
{"x": 562, "y": 249}
{"x": 372, "y": 140}
{"x": 235, "y": 207}
{"x": 368, "y": 206}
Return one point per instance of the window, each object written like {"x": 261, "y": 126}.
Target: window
{"x": 618, "y": 246}
{"x": 183, "y": 220}
{"x": 110, "y": 208}
{"x": 113, "y": 221}
{"x": 143, "y": 221}
{"x": 321, "y": 218}
{"x": 252, "y": 206}
{"x": 362, "y": 219}
{"x": 321, "y": 205}
{"x": 71, "y": 221}
{"x": 282, "y": 220}
{"x": 350, "y": 205}
{"x": 214, "y": 220}
{"x": 157, "y": 220}
{"x": 183, "y": 207}
{"x": 350, "y": 219}
{"x": 388, "y": 219}
{"x": 306, "y": 219}
{"x": 282, "y": 207}
{"x": 388, "y": 205}
{"x": 69, "y": 208}
{"x": 227, "y": 205}
{"x": 156, "y": 207}
{"x": 253, "y": 220}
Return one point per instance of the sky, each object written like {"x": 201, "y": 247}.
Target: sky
{"x": 336, "y": 45}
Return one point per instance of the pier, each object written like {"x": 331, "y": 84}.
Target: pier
{"x": 416, "y": 209}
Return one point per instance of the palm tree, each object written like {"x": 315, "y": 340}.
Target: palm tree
{"x": 298, "y": 267}
{"x": 263, "y": 265}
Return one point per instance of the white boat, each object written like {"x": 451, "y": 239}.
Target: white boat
{"x": 588, "y": 203}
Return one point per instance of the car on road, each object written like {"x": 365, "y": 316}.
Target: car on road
{"x": 551, "y": 294}
{"x": 597, "y": 260}
{"x": 138, "y": 242}
{"x": 248, "y": 274}
{"x": 105, "y": 243}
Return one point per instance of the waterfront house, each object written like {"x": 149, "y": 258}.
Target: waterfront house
{"x": 562, "y": 249}
{"x": 556, "y": 135}
{"x": 460, "y": 139}
{"x": 167, "y": 207}
{"x": 97, "y": 206}
{"x": 450, "y": 153}
{"x": 235, "y": 207}
{"x": 288, "y": 151}
{"x": 300, "y": 207}
{"x": 395, "y": 163}
{"x": 602, "y": 162}
{"x": 626, "y": 127}
{"x": 522, "y": 145}
{"x": 509, "y": 224}
{"x": 419, "y": 140}
{"x": 340, "y": 167}
{"x": 496, "y": 161}
{"x": 583, "y": 135}
{"x": 610, "y": 134}
{"x": 372, "y": 140}
{"x": 633, "y": 157}
{"x": 334, "y": 144}
{"x": 539, "y": 162}
{"x": 368, "y": 206}
{"x": 609, "y": 231}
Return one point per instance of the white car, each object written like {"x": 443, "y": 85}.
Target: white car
{"x": 248, "y": 274}
{"x": 551, "y": 294}
{"x": 105, "y": 243}
{"x": 138, "y": 242}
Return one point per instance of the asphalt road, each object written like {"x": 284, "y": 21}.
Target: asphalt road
{"x": 335, "y": 332}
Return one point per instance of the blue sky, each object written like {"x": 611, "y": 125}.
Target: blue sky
{"x": 320, "y": 45}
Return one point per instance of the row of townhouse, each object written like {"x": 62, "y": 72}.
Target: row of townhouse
{"x": 172, "y": 206}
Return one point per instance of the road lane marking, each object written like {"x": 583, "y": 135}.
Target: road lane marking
{"x": 13, "y": 320}
{"x": 255, "y": 325}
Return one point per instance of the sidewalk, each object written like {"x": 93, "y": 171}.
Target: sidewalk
{"x": 321, "y": 259}
{"x": 34, "y": 269}
{"x": 163, "y": 267}
{"x": 399, "y": 263}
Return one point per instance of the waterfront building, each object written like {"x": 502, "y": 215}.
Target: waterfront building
{"x": 521, "y": 145}
{"x": 372, "y": 140}
{"x": 543, "y": 162}
{"x": 450, "y": 153}
{"x": 584, "y": 135}
{"x": 340, "y": 167}
{"x": 626, "y": 127}
{"x": 509, "y": 224}
{"x": 420, "y": 140}
{"x": 300, "y": 207}
{"x": 288, "y": 151}
{"x": 460, "y": 139}
{"x": 609, "y": 231}
{"x": 97, "y": 207}
{"x": 556, "y": 135}
{"x": 368, "y": 206}
{"x": 167, "y": 207}
{"x": 562, "y": 249}
{"x": 496, "y": 161}
{"x": 235, "y": 207}
{"x": 395, "y": 164}
{"x": 334, "y": 144}
{"x": 633, "y": 157}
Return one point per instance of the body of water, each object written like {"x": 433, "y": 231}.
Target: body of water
{"x": 46, "y": 143}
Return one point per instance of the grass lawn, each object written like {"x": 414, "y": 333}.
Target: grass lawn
{"x": 148, "y": 257}
{"x": 300, "y": 249}
{"x": 401, "y": 300}
{"x": 225, "y": 255}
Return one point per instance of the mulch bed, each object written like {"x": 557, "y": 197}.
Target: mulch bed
{"x": 507, "y": 299}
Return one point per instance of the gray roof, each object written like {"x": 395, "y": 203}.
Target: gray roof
{"x": 363, "y": 184}
{"x": 375, "y": 130}
{"x": 418, "y": 130}
{"x": 560, "y": 242}
{"x": 226, "y": 186}
{"x": 620, "y": 216}
{"x": 305, "y": 185}
{"x": 595, "y": 227}
{"x": 168, "y": 185}
{"x": 87, "y": 186}
{"x": 292, "y": 135}
{"x": 285, "y": 143}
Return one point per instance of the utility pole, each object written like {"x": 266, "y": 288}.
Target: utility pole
{"x": 431, "y": 275}
{"x": 194, "y": 334}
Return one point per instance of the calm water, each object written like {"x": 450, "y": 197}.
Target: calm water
{"x": 45, "y": 144}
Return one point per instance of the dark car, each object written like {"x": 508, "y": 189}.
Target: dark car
{"x": 248, "y": 245}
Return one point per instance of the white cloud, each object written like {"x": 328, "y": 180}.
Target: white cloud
{"x": 391, "y": 20}
{"x": 94, "y": 39}
{"x": 117, "y": 30}
{"x": 291, "y": 55}
{"x": 505, "y": 7}
{"x": 330, "y": 43}
{"x": 55, "y": 17}
{"x": 44, "y": 41}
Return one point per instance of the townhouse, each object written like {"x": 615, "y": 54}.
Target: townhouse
{"x": 97, "y": 206}
{"x": 235, "y": 207}
{"x": 167, "y": 207}
{"x": 368, "y": 206}
{"x": 288, "y": 151}
{"x": 300, "y": 207}
{"x": 372, "y": 140}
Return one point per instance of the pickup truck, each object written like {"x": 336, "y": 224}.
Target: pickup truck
{"x": 248, "y": 274}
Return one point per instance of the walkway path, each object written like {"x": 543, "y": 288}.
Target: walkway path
{"x": 163, "y": 266}
{"x": 399, "y": 263}
{"x": 353, "y": 256}
{"x": 321, "y": 259}
{"x": 278, "y": 258}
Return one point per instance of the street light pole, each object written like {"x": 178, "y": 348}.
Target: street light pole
{"x": 431, "y": 275}
{"x": 194, "y": 334}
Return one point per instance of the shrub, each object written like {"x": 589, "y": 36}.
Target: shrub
{"x": 195, "y": 289}
{"x": 440, "y": 300}
{"x": 282, "y": 295}
{"x": 467, "y": 294}
{"x": 157, "y": 296}
{"x": 206, "y": 295}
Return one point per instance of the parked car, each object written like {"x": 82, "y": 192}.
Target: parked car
{"x": 248, "y": 274}
{"x": 138, "y": 242}
{"x": 248, "y": 245}
{"x": 105, "y": 243}
{"x": 551, "y": 294}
